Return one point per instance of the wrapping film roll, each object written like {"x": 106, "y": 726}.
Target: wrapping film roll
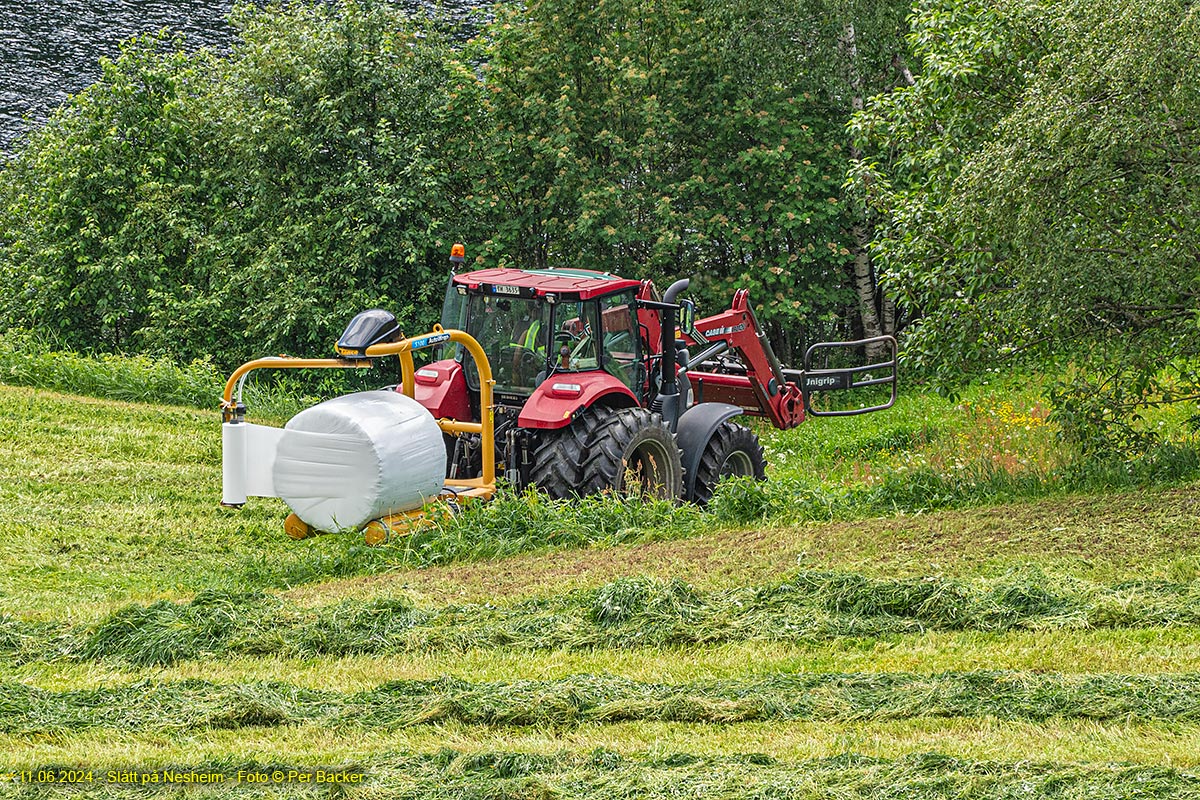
{"x": 247, "y": 460}
{"x": 342, "y": 463}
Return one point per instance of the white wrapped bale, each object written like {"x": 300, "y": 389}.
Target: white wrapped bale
{"x": 359, "y": 457}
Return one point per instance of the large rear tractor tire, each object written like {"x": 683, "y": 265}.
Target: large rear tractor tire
{"x": 633, "y": 452}
{"x": 733, "y": 450}
{"x": 558, "y": 458}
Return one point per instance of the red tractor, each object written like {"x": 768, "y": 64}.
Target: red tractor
{"x": 600, "y": 383}
{"x": 573, "y": 381}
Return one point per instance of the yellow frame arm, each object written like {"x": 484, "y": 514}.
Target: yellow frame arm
{"x": 485, "y": 485}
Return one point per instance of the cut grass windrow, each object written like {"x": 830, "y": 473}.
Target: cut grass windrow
{"x": 200, "y": 705}
{"x": 627, "y": 613}
{"x": 607, "y": 775}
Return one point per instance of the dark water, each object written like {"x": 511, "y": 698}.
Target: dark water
{"x": 50, "y": 49}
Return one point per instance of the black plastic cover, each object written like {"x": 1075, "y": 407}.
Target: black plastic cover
{"x": 367, "y": 328}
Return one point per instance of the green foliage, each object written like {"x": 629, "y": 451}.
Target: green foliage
{"x": 194, "y": 205}
{"x": 38, "y": 360}
{"x": 1100, "y": 416}
{"x": 93, "y": 218}
{"x": 197, "y": 205}
{"x": 639, "y": 138}
{"x": 1036, "y": 189}
{"x": 41, "y": 361}
{"x": 341, "y": 169}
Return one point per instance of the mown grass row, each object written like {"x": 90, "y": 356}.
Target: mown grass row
{"x": 627, "y": 613}
{"x": 200, "y": 705}
{"x": 606, "y": 775}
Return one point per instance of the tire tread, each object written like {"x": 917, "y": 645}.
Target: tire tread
{"x": 728, "y": 438}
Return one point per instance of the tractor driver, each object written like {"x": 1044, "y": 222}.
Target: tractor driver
{"x": 529, "y": 350}
{"x": 526, "y": 331}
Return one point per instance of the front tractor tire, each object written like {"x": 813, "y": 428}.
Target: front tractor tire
{"x": 632, "y": 452}
{"x": 733, "y": 450}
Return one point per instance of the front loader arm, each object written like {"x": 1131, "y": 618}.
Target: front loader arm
{"x": 764, "y": 390}
{"x": 760, "y": 386}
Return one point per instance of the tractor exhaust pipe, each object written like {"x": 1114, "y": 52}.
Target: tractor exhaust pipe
{"x": 668, "y": 393}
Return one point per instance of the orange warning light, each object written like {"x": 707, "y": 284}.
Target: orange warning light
{"x": 458, "y": 253}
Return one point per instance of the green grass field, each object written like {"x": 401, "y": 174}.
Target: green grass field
{"x": 936, "y": 601}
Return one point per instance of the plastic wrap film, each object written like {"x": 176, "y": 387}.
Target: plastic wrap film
{"x": 247, "y": 461}
{"x": 359, "y": 457}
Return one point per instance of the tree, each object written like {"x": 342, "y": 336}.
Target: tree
{"x": 196, "y": 205}
{"x": 675, "y": 138}
{"x": 94, "y": 218}
{"x": 193, "y": 205}
{"x": 338, "y": 155}
{"x": 841, "y": 51}
{"x": 1039, "y": 186}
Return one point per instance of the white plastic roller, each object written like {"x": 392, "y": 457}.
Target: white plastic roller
{"x": 359, "y": 457}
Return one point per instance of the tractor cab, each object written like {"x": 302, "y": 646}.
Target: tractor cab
{"x": 540, "y": 324}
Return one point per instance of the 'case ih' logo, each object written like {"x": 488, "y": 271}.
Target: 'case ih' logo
{"x": 727, "y": 329}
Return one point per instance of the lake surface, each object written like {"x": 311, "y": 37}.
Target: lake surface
{"x": 50, "y": 49}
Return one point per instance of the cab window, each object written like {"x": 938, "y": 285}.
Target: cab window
{"x": 513, "y": 333}
{"x": 619, "y": 339}
{"x": 574, "y": 339}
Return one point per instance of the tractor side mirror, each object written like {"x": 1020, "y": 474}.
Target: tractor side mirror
{"x": 687, "y": 316}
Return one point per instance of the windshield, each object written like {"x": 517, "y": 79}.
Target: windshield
{"x": 513, "y": 332}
